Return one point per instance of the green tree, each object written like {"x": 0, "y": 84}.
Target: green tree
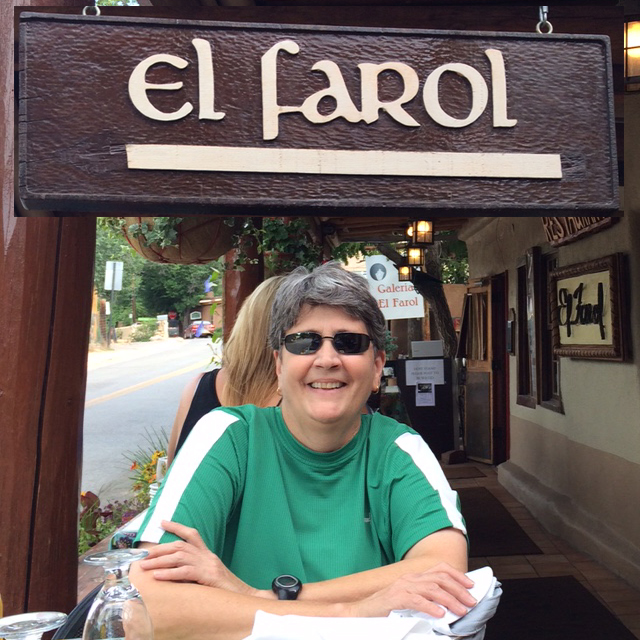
{"x": 454, "y": 259}
{"x": 173, "y": 287}
{"x": 111, "y": 245}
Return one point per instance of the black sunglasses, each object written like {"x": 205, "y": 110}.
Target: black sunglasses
{"x": 308, "y": 342}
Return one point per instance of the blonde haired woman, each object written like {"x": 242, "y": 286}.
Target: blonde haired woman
{"x": 247, "y": 375}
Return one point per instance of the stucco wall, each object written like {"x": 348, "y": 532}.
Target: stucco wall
{"x": 579, "y": 472}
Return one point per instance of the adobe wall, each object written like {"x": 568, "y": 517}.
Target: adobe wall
{"x": 578, "y": 472}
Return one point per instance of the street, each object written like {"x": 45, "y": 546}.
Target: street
{"x": 132, "y": 396}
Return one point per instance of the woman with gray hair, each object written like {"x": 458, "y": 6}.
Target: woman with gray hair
{"x": 311, "y": 507}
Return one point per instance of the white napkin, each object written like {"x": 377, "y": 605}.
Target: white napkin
{"x": 399, "y": 625}
{"x": 483, "y": 583}
{"x": 268, "y": 626}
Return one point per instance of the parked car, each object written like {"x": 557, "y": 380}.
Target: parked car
{"x": 199, "y": 329}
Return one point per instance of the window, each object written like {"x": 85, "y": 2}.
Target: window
{"x": 538, "y": 367}
{"x": 526, "y": 339}
{"x": 550, "y": 397}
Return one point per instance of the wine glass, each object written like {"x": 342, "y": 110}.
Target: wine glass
{"x": 30, "y": 626}
{"x": 118, "y": 610}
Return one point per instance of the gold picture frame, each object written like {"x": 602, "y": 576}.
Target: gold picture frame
{"x": 588, "y": 304}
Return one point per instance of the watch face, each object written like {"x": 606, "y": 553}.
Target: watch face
{"x": 287, "y": 581}
{"x": 287, "y": 587}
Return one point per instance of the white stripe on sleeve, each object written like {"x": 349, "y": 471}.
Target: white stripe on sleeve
{"x": 206, "y": 432}
{"x": 424, "y": 459}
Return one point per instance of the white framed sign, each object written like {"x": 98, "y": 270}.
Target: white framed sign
{"x": 396, "y": 299}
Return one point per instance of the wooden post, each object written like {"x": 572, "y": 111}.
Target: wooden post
{"x": 45, "y": 297}
{"x": 46, "y": 272}
{"x": 239, "y": 284}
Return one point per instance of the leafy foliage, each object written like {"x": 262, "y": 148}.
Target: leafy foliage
{"x": 390, "y": 344}
{"x": 347, "y": 250}
{"x": 163, "y": 232}
{"x": 454, "y": 260}
{"x": 145, "y": 331}
{"x": 168, "y": 287}
{"x": 285, "y": 242}
{"x": 151, "y": 287}
{"x": 97, "y": 522}
{"x": 144, "y": 462}
{"x": 111, "y": 245}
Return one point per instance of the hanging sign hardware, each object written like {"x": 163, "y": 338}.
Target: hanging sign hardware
{"x": 96, "y": 11}
{"x": 544, "y": 26}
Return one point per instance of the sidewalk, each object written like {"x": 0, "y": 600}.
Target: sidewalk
{"x": 558, "y": 558}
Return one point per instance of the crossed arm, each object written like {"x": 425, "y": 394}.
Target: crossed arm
{"x": 190, "y": 594}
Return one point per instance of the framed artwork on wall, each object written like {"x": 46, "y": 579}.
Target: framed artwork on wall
{"x": 589, "y": 309}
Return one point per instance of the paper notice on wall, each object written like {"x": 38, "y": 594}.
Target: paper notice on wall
{"x": 425, "y": 371}
{"x": 425, "y": 394}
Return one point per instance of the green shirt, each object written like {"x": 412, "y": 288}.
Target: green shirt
{"x": 267, "y": 505}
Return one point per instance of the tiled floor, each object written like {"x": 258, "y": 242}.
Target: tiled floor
{"x": 558, "y": 558}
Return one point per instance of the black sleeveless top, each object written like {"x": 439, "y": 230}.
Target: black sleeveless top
{"x": 204, "y": 400}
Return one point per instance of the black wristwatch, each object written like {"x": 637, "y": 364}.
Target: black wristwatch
{"x": 286, "y": 587}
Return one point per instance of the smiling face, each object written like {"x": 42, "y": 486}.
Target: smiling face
{"x": 323, "y": 393}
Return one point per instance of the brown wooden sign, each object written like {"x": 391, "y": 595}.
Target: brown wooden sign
{"x": 589, "y": 309}
{"x": 174, "y": 116}
{"x": 561, "y": 231}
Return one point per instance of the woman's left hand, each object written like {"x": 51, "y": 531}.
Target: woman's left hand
{"x": 189, "y": 560}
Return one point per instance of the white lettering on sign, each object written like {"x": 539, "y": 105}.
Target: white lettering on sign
{"x": 371, "y": 104}
{"x": 138, "y": 85}
{"x": 479, "y": 93}
{"x": 327, "y": 161}
{"x": 205, "y": 81}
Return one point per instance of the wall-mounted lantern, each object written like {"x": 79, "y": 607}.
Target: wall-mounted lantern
{"x": 632, "y": 55}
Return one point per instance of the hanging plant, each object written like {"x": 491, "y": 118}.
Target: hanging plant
{"x": 286, "y": 243}
{"x": 179, "y": 240}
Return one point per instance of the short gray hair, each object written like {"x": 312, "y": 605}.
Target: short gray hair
{"x": 327, "y": 285}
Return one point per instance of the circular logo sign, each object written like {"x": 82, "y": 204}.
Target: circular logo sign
{"x": 378, "y": 271}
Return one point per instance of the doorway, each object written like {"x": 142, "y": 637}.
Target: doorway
{"x": 486, "y": 391}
